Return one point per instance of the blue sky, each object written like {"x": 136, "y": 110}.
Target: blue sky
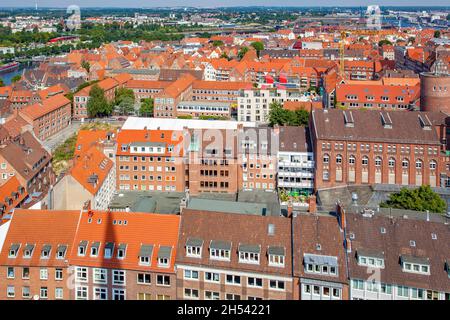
{"x": 216, "y": 3}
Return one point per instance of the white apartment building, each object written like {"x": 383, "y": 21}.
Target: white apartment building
{"x": 295, "y": 161}
{"x": 254, "y": 104}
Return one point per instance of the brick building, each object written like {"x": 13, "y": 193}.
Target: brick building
{"x": 368, "y": 147}
{"x": 233, "y": 257}
{"x": 48, "y": 117}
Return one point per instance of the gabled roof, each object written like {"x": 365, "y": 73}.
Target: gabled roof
{"x": 88, "y": 138}
{"x": 12, "y": 190}
{"x": 39, "y": 228}
{"x": 135, "y": 230}
{"x": 47, "y": 106}
{"x": 91, "y": 169}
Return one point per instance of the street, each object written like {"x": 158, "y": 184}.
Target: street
{"x": 53, "y": 142}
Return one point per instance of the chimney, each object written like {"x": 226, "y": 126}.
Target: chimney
{"x": 312, "y": 203}
{"x": 340, "y": 212}
{"x": 289, "y": 209}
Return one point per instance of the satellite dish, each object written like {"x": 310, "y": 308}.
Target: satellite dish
{"x": 35, "y": 297}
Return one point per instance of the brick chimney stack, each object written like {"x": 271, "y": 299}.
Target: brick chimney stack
{"x": 312, "y": 204}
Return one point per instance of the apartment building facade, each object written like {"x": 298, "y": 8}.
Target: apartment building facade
{"x": 367, "y": 147}
{"x": 150, "y": 160}
{"x": 34, "y": 258}
{"x": 295, "y": 160}
{"x": 394, "y": 258}
{"x": 125, "y": 256}
{"x": 166, "y": 102}
{"x": 254, "y": 104}
{"x": 48, "y": 117}
{"x": 144, "y": 89}
{"x": 319, "y": 257}
{"x": 218, "y": 257}
{"x": 219, "y": 91}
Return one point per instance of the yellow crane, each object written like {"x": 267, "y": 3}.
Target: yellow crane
{"x": 342, "y": 45}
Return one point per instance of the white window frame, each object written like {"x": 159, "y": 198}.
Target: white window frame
{"x": 119, "y": 273}
{"x": 102, "y": 290}
{"x": 97, "y": 272}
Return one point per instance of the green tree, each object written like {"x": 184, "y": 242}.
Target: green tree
{"x": 217, "y": 43}
{"x": 437, "y": 34}
{"x": 123, "y": 93}
{"x": 419, "y": 199}
{"x": 146, "y": 109}
{"x": 383, "y": 42}
{"x": 86, "y": 65}
{"x": 242, "y": 52}
{"x": 280, "y": 116}
{"x": 97, "y": 105}
{"x": 2, "y": 83}
{"x": 258, "y": 46}
{"x": 125, "y": 106}
{"x": 225, "y": 56}
{"x": 16, "y": 78}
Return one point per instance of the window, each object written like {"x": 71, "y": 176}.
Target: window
{"x": 10, "y": 274}
{"x": 26, "y": 273}
{"x": 386, "y": 288}
{"x": 144, "y": 296}
{"x": 370, "y": 261}
{"x": 336, "y": 293}
{"x": 81, "y": 274}
{"x": 44, "y": 274}
{"x": 338, "y": 159}
{"x": 193, "y": 251}
{"x": 144, "y": 260}
{"x": 10, "y": 292}
{"x": 58, "y": 274}
{"x": 276, "y": 260}
{"x": 405, "y": 164}
{"x": 433, "y": 165}
{"x": 391, "y": 163}
{"x": 212, "y": 295}
{"x": 118, "y": 294}
{"x": 144, "y": 278}
{"x": 416, "y": 268}
{"x": 220, "y": 254}
{"x": 212, "y": 277}
{"x": 326, "y": 158}
{"x": 418, "y": 164}
{"x": 276, "y": 284}
{"x": 248, "y": 257}
{"x": 191, "y": 274}
{"x": 163, "y": 262}
{"x": 100, "y": 293}
{"x": 365, "y": 161}
{"x": 191, "y": 293}
{"x": 100, "y": 275}
{"x": 231, "y": 296}
{"x": 357, "y": 284}
{"x": 232, "y": 279}
{"x": 59, "y": 292}
{"x": 26, "y": 292}
{"x": 254, "y": 282}
{"x": 402, "y": 291}
{"x": 163, "y": 280}
{"x": 378, "y": 161}
{"x": 119, "y": 277}
{"x": 351, "y": 160}
{"x": 94, "y": 251}
{"x": 121, "y": 253}
{"x": 81, "y": 250}
{"x": 43, "y": 293}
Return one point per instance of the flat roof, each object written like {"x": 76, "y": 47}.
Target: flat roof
{"x": 148, "y": 201}
{"x": 138, "y": 123}
{"x": 228, "y": 206}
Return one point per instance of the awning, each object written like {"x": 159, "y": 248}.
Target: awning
{"x": 413, "y": 259}
{"x": 220, "y": 245}
{"x": 194, "y": 242}
{"x": 276, "y": 251}
{"x": 252, "y": 248}
{"x": 320, "y": 260}
{"x": 146, "y": 250}
{"x": 370, "y": 253}
{"x": 164, "y": 252}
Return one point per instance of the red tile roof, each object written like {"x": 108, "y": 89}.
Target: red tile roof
{"x": 130, "y": 229}
{"x": 38, "y": 110}
{"x": 11, "y": 194}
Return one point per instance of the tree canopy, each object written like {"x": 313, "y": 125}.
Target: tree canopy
{"x": 280, "y": 116}
{"x": 97, "y": 105}
{"x": 86, "y": 65}
{"x": 125, "y": 106}
{"x": 419, "y": 199}
{"x": 2, "y": 83}
{"x": 258, "y": 46}
{"x": 217, "y": 43}
{"x": 146, "y": 109}
{"x": 123, "y": 93}
{"x": 383, "y": 42}
{"x": 242, "y": 52}
{"x": 16, "y": 78}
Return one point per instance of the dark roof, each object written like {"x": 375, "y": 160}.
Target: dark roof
{"x": 395, "y": 242}
{"x": 294, "y": 139}
{"x": 367, "y": 125}
{"x": 224, "y": 230}
{"x": 311, "y": 230}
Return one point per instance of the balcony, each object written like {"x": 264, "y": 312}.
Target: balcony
{"x": 284, "y": 184}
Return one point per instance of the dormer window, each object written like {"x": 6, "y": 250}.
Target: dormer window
{"x": 109, "y": 249}
{"x": 145, "y": 254}
{"x": 45, "y": 253}
{"x": 325, "y": 265}
{"x": 82, "y": 248}
{"x": 164, "y": 255}
{"x": 94, "y": 249}
{"x": 121, "y": 250}
{"x": 276, "y": 256}
{"x": 220, "y": 250}
{"x": 413, "y": 264}
{"x": 13, "y": 250}
{"x": 194, "y": 248}
{"x": 370, "y": 258}
{"x": 61, "y": 252}
{"x": 28, "y": 251}
{"x": 249, "y": 253}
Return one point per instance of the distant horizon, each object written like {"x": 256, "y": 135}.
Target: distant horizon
{"x": 214, "y": 4}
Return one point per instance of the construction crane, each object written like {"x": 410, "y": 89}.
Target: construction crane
{"x": 342, "y": 45}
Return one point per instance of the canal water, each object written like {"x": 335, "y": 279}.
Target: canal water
{"x": 7, "y": 76}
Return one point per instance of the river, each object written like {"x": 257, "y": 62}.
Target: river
{"x": 7, "y": 76}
